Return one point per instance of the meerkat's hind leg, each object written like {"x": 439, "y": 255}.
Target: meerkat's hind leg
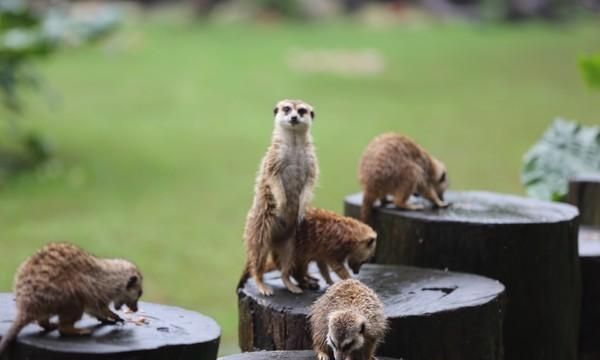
{"x": 257, "y": 270}
{"x": 402, "y": 195}
{"x": 47, "y": 325}
{"x": 66, "y": 324}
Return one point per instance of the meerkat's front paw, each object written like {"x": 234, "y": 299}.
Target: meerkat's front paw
{"x": 444, "y": 205}
{"x": 322, "y": 356}
{"x": 294, "y": 289}
{"x": 265, "y": 290}
{"x": 411, "y": 207}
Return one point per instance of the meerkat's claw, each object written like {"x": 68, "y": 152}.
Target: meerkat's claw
{"x": 411, "y": 207}
{"x": 322, "y": 356}
{"x": 294, "y": 289}
{"x": 265, "y": 290}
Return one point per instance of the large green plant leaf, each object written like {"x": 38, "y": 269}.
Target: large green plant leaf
{"x": 566, "y": 149}
{"x": 590, "y": 68}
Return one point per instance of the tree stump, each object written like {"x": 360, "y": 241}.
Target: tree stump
{"x": 584, "y": 192}
{"x": 529, "y": 245}
{"x": 169, "y": 333}
{"x": 589, "y": 253}
{"x": 279, "y": 355}
{"x": 433, "y": 314}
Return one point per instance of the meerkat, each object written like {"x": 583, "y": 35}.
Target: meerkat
{"x": 393, "y": 164}
{"x": 283, "y": 190}
{"x": 331, "y": 240}
{"x": 62, "y": 279}
{"x": 349, "y": 319}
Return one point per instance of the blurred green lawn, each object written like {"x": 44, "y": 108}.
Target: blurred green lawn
{"x": 160, "y": 131}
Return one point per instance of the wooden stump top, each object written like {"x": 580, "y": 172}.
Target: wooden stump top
{"x": 279, "y": 355}
{"x": 405, "y": 291}
{"x": 482, "y": 208}
{"x": 589, "y": 241}
{"x": 187, "y": 334}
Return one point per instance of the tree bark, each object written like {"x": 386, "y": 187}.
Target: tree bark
{"x": 584, "y": 192}
{"x": 170, "y": 333}
{"x": 529, "y": 245}
{"x": 433, "y": 314}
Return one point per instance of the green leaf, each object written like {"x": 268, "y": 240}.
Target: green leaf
{"x": 566, "y": 149}
{"x": 590, "y": 68}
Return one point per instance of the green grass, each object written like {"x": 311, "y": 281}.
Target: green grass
{"x": 159, "y": 134}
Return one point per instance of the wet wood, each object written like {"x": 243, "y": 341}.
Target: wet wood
{"x": 529, "y": 245}
{"x": 279, "y": 355}
{"x": 433, "y": 314}
{"x": 169, "y": 333}
{"x": 584, "y": 193}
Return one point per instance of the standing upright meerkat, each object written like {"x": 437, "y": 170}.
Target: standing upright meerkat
{"x": 62, "y": 279}
{"x": 349, "y": 319}
{"x": 331, "y": 240}
{"x": 284, "y": 188}
{"x": 393, "y": 164}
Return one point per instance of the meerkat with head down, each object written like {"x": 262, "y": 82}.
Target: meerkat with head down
{"x": 331, "y": 240}
{"x": 64, "y": 280}
{"x": 284, "y": 188}
{"x": 348, "y": 321}
{"x": 393, "y": 164}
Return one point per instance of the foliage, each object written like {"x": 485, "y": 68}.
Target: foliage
{"x": 28, "y": 33}
{"x": 590, "y": 68}
{"x": 566, "y": 149}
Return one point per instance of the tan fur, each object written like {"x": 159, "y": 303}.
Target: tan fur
{"x": 330, "y": 240}
{"x": 393, "y": 164}
{"x": 348, "y": 312}
{"x": 284, "y": 188}
{"x": 64, "y": 280}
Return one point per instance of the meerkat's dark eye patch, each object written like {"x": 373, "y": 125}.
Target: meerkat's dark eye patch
{"x": 302, "y": 111}
{"x": 363, "y": 328}
{"x": 370, "y": 242}
{"x": 286, "y": 109}
{"x": 332, "y": 344}
{"x": 348, "y": 346}
{"x": 443, "y": 177}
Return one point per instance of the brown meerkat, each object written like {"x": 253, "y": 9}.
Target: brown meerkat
{"x": 349, "y": 320}
{"x": 62, "y": 279}
{"x": 393, "y": 164}
{"x": 331, "y": 240}
{"x": 284, "y": 188}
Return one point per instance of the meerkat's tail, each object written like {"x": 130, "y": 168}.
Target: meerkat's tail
{"x": 245, "y": 276}
{"x": 366, "y": 210}
{"x": 12, "y": 333}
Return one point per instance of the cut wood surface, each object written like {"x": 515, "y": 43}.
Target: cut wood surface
{"x": 167, "y": 333}
{"x": 433, "y": 314}
{"x": 589, "y": 251}
{"x": 279, "y": 355}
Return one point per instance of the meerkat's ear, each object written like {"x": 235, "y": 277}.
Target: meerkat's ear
{"x": 275, "y": 110}
{"x": 370, "y": 242}
{"x": 132, "y": 282}
{"x": 443, "y": 177}
{"x": 312, "y": 114}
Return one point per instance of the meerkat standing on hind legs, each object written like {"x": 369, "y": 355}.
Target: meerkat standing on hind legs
{"x": 283, "y": 190}
{"x": 393, "y": 164}
{"x": 64, "y": 280}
